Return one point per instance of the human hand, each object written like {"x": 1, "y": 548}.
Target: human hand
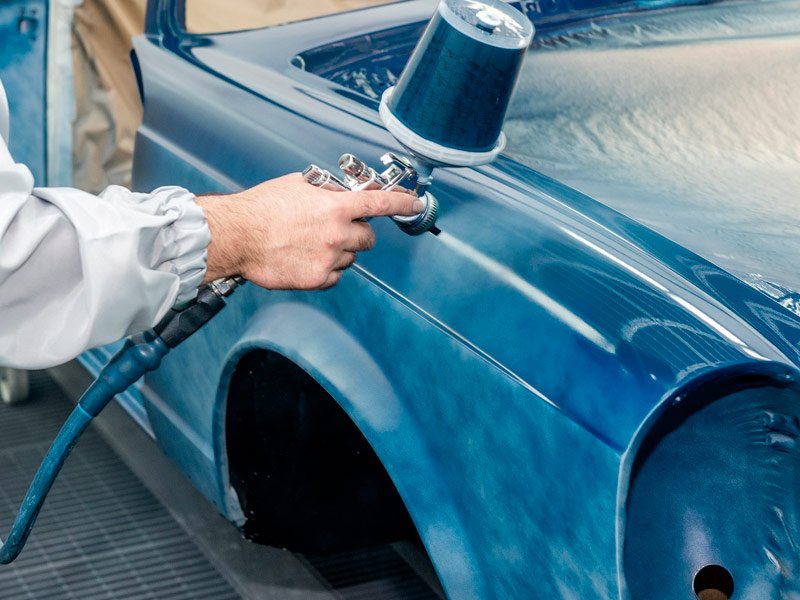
{"x": 288, "y": 234}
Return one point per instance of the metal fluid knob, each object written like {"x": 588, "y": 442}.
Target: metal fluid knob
{"x": 424, "y": 221}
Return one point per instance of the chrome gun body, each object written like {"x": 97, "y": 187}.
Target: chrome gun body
{"x": 358, "y": 176}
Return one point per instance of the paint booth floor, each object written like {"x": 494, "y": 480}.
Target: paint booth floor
{"x": 101, "y": 534}
{"x": 122, "y": 522}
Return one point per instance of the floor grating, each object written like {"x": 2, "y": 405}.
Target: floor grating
{"x": 101, "y": 533}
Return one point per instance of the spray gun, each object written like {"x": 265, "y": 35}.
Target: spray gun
{"x": 360, "y": 176}
{"x": 447, "y": 109}
{"x": 448, "y": 106}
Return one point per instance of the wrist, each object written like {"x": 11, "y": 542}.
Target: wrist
{"x": 228, "y": 226}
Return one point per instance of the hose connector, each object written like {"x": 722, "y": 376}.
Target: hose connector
{"x": 178, "y": 325}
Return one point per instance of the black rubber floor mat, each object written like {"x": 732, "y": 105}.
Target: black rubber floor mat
{"x": 101, "y": 533}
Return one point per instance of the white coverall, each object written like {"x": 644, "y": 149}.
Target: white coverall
{"x": 79, "y": 271}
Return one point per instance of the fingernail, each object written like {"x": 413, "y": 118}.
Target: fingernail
{"x": 418, "y": 206}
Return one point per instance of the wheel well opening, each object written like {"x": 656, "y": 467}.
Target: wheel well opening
{"x": 306, "y": 477}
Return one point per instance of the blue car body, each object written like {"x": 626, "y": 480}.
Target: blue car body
{"x": 566, "y": 403}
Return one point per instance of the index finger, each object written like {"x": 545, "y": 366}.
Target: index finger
{"x": 379, "y": 203}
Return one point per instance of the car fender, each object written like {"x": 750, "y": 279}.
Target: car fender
{"x": 327, "y": 352}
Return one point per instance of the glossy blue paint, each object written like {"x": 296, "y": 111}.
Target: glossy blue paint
{"x": 525, "y": 377}
{"x": 23, "y": 51}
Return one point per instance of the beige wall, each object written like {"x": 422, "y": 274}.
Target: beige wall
{"x": 205, "y": 16}
{"x": 108, "y": 110}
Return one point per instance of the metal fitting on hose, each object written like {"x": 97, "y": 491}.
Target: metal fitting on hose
{"x": 178, "y": 325}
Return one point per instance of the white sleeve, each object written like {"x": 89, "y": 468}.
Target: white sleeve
{"x": 79, "y": 271}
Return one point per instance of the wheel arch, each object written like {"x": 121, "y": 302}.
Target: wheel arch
{"x": 327, "y": 353}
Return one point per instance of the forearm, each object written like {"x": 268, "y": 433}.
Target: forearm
{"x": 77, "y": 270}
